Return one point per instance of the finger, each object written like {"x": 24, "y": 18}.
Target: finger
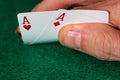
{"x": 98, "y": 40}
{"x": 47, "y": 5}
{"x": 17, "y": 31}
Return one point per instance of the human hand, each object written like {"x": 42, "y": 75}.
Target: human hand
{"x": 98, "y": 40}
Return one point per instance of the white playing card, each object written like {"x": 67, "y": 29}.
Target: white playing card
{"x": 98, "y": 16}
{"x": 38, "y": 22}
{"x": 43, "y": 27}
{"x": 84, "y": 16}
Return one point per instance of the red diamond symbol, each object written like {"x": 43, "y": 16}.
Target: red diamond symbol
{"x": 56, "y": 24}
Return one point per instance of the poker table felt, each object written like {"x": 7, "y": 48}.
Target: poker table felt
{"x": 44, "y": 61}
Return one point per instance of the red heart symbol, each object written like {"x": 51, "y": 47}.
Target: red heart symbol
{"x": 27, "y": 27}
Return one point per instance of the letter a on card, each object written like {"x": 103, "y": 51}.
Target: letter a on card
{"x": 61, "y": 17}
{"x": 26, "y": 23}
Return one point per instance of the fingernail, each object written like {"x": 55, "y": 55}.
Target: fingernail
{"x": 72, "y": 39}
{"x": 17, "y": 32}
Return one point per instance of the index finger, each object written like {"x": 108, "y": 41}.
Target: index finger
{"x": 47, "y": 5}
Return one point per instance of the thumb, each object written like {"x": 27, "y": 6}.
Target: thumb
{"x": 98, "y": 40}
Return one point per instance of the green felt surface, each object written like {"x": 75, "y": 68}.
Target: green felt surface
{"x": 44, "y": 61}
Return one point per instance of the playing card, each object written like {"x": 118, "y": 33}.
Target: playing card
{"x": 98, "y": 16}
{"x": 84, "y": 16}
{"x": 43, "y": 27}
{"x": 33, "y": 24}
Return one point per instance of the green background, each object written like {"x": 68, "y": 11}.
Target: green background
{"x": 44, "y": 61}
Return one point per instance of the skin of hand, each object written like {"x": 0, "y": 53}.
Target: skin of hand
{"x": 99, "y": 40}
